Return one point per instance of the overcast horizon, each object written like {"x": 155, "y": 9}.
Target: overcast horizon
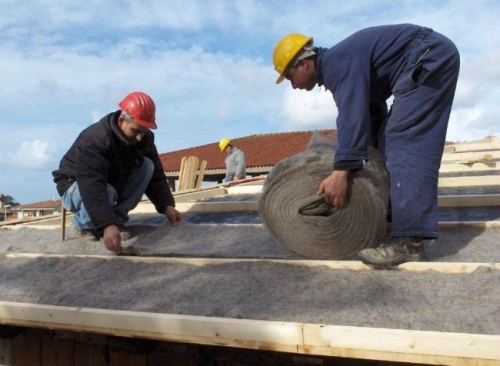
{"x": 208, "y": 67}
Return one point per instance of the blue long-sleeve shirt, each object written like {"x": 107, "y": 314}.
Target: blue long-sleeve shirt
{"x": 361, "y": 71}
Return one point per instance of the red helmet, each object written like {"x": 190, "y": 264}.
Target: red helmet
{"x": 141, "y": 108}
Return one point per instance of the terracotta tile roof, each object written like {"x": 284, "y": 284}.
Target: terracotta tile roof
{"x": 260, "y": 150}
{"x": 44, "y": 204}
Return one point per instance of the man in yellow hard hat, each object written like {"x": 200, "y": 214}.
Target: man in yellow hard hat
{"x": 235, "y": 161}
{"x": 419, "y": 68}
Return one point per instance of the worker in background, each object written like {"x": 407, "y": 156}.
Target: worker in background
{"x": 235, "y": 161}
{"x": 107, "y": 170}
{"x": 419, "y": 68}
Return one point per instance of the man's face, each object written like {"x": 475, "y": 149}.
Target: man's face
{"x": 301, "y": 76}
{"x": 132, "y": 130}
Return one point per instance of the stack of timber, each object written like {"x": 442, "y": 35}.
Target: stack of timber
{"x": 220, "y": 321}
{"x": 190, "y": 175}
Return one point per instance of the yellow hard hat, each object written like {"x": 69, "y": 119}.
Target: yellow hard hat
{"x": 285, "y": 51}
{"x": 223, "y": 143}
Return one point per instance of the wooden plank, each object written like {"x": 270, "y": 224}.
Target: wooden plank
{"x": 63, "y": 223}
{"x": 201, "y": 174}
{"x": 470, "y": 157}
{"x": 424, "y": 347}
{"x": 57, "y": 352}
{"x": 185, "y": 175}
{"x": 487, "y": 139}
{"x": 443, "y": 201}
{"x": 473, "y": 146}
{"x": 26, "y": 349}
{"x": 196, "y": 195}
{"x": 182, "y": 171}
{"x": 195, "y": 190}
{"x": 217, "y": 206}
{"x": 190, "y": 167}
{"x": 478, "y": 224}
{"x": 476, "y": 200}
{"x": 445, "y": 267}
{"x": 399, "y": 345}
{"x": 120, "y": 357}
{"x": 475, "y": 167}
{"x": 477, "y": 181}
{"x": 29, "y": 219}
{"x": 89, "y": 354}
{"x": 194, "y": 169}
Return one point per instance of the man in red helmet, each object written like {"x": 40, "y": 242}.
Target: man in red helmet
{"x": 107, "y": 170}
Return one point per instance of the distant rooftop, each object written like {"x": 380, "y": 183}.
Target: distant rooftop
{"x": 260, "y": 150}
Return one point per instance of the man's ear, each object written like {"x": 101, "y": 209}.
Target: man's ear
{"x": 305, "y": 64}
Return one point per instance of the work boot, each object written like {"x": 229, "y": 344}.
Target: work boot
{"x": 85, "y": 234}
{"x": 394, "y": 252}
{"x": 124, "y": 233}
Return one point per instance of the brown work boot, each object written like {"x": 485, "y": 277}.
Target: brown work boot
{"x": 85, "y": 234}
{"x": 395, "y": 252}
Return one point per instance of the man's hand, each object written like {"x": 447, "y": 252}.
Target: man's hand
{"x": 335, "y": 188}
{"x": 236, "y": 177}
{"x": 112, "y": 239}
{"x": 173, "y": 215}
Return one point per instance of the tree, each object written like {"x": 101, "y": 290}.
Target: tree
{"x": 8, "y": 200}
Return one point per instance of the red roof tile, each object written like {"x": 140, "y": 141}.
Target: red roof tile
{"x": 260, "y": 150}
{"x": 44, "y": 204}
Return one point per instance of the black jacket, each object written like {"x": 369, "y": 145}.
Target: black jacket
{"x": 100, "y": 155}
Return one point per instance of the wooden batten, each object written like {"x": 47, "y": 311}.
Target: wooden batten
{"x": 474, "y": 167}
{"x": 476, "y": 181}
{"x": 197, "y": 194}
{"x": 470, "y": 157}
{"x": 201, "y": 174}
{"x": 483, "y": 200}
{"x": 473, "y": 146}
{"x": 218, "y": 206}
{"x": 422, "y": 347}
{"x": 237, "y": 206}
{"x": 444, "y": 267}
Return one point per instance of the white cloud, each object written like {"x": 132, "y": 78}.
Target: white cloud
{"x": 30, "y": 154}
{"x": 308, "y": 110}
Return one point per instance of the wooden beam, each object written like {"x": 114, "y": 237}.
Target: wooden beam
{"x": 218, "y": 206}
{"x": 475, "y": 167}
{"x": 478, "y": 224}
{"x": 237, "y": 206}
{"x": 63, "y": 223}
{"x": 444, "y": 267}
{"x": 423, "y": 347}
{"x": 476, "y": 181}
{"x": 442, "y": 224}
{"x": 420, "y": 347}
{"x": 201, "y": 174}
{"x": 193, "y": 168}
{"x": 471, "y": 157}
{"x": 473, "y": 146}
{"x": 195, "y": 195}
{"x": 487, "y": 139}
{"x": 481, "y": 200}
{"x": 182, "y": 173}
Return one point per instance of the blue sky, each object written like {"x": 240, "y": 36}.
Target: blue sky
{"x": 207, "y": 65}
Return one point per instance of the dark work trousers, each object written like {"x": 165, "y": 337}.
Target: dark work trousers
{"x": 413, "y": 134}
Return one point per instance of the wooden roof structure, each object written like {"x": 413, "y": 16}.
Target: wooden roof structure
{"x": 76, "y": 335}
